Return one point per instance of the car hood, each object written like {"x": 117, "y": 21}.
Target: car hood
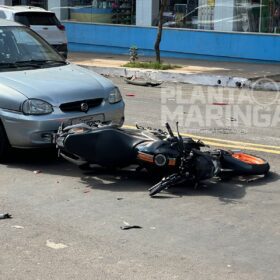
{"x": 57, "y": 85}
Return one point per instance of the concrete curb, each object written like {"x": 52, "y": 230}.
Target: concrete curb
{"x": 261, "y": 83}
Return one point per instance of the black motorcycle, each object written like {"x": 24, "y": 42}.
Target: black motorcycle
{"x": 176, "y": 158}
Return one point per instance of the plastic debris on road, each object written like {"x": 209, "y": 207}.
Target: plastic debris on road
{"x": 55, "y": 246}
{"x": 5, "y": 216}
{"x": 129, "y": 227}
{"x": 18, "y": 227}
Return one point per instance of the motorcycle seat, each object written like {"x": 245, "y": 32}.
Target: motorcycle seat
{"x": 104, "y": 146}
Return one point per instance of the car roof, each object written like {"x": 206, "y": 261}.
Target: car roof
{"x": 4, "y": 22}
{"x": 20, "y": 9}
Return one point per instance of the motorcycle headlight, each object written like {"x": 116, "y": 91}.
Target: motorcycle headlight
{"x": 115, "y": 96}
{"x": 36, "y": 107}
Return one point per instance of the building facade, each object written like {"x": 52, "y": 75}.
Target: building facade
{"x": 235, "y": 30}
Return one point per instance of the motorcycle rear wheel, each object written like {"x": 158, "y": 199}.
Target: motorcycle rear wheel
{"x": 247, "y": 164}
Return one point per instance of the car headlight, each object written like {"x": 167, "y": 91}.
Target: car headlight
{"x": 36, "y": 107}
{"x": 114, "y": 96}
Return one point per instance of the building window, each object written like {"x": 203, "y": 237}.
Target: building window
{"x": 224, "y": 15}
{"x": 259, "y": 16}
{"x": 97, "y": 11}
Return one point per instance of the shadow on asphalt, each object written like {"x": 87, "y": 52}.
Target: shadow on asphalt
{"x": 229, "y": 192}
{"x": 127, "y": 180}
{"x": 45, "y": 160}
{"x": 28, "y": 157}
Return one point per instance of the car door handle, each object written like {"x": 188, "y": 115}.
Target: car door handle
{"x": 45, "y": 28}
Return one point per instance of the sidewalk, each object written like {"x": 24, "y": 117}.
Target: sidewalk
{"x": 202, "y": 72}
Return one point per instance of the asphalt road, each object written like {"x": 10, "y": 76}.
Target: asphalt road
{"x": 67, "y": 222}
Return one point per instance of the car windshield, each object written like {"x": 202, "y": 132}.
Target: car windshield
{"x": 22, "y": 47}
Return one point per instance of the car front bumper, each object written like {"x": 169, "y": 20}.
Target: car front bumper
{"x": 25, "y": 131}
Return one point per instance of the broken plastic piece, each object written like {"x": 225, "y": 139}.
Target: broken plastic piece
{"x": 5, "y": 216}
{"x": 55, "y": 246}
{"x": 18, "y": 227}
{"x": 140, "y": 82}
{"x": 232, "y": 119}
{"x": 220, "y": 103}
{"x": 129, "y": 227}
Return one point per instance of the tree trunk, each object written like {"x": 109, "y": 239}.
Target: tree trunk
{"x": 159, "y": 34}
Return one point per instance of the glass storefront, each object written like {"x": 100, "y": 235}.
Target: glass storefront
{"x": 97, "y": 11}
{"x": 262, "y": 16}
{"x": 224, "y": 15}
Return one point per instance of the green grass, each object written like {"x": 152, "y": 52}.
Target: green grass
{"x": 151, "y": 65}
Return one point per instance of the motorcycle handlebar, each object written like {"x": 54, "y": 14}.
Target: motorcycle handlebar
{"x": 169, "y": 129}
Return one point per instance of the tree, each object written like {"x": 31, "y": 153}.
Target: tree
{"x": 163, "y": 4}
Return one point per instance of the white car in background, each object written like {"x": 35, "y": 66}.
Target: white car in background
{"x": 43, "y": 22}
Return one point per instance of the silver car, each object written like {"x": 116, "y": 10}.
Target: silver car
{"x": 39, "y": 90}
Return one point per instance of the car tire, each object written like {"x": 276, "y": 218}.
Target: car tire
{"x": 4, "y": 144}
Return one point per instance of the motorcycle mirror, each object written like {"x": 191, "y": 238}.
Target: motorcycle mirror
{"x": 178, "y": 132}
{"x": 169, "y": 129}
{"x": 181, "y": 142}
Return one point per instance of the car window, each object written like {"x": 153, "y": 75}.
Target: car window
{"x": 8, "y": 48}
{"x": 36, "y": 18}
{"x": 22, "y": 44}
{"x": 2, "y": 14}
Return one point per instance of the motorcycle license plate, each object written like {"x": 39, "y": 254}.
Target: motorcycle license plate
{"x": 89, "y": 120}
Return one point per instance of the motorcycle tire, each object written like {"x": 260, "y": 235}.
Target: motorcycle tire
{"x": 246, "y": 164}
